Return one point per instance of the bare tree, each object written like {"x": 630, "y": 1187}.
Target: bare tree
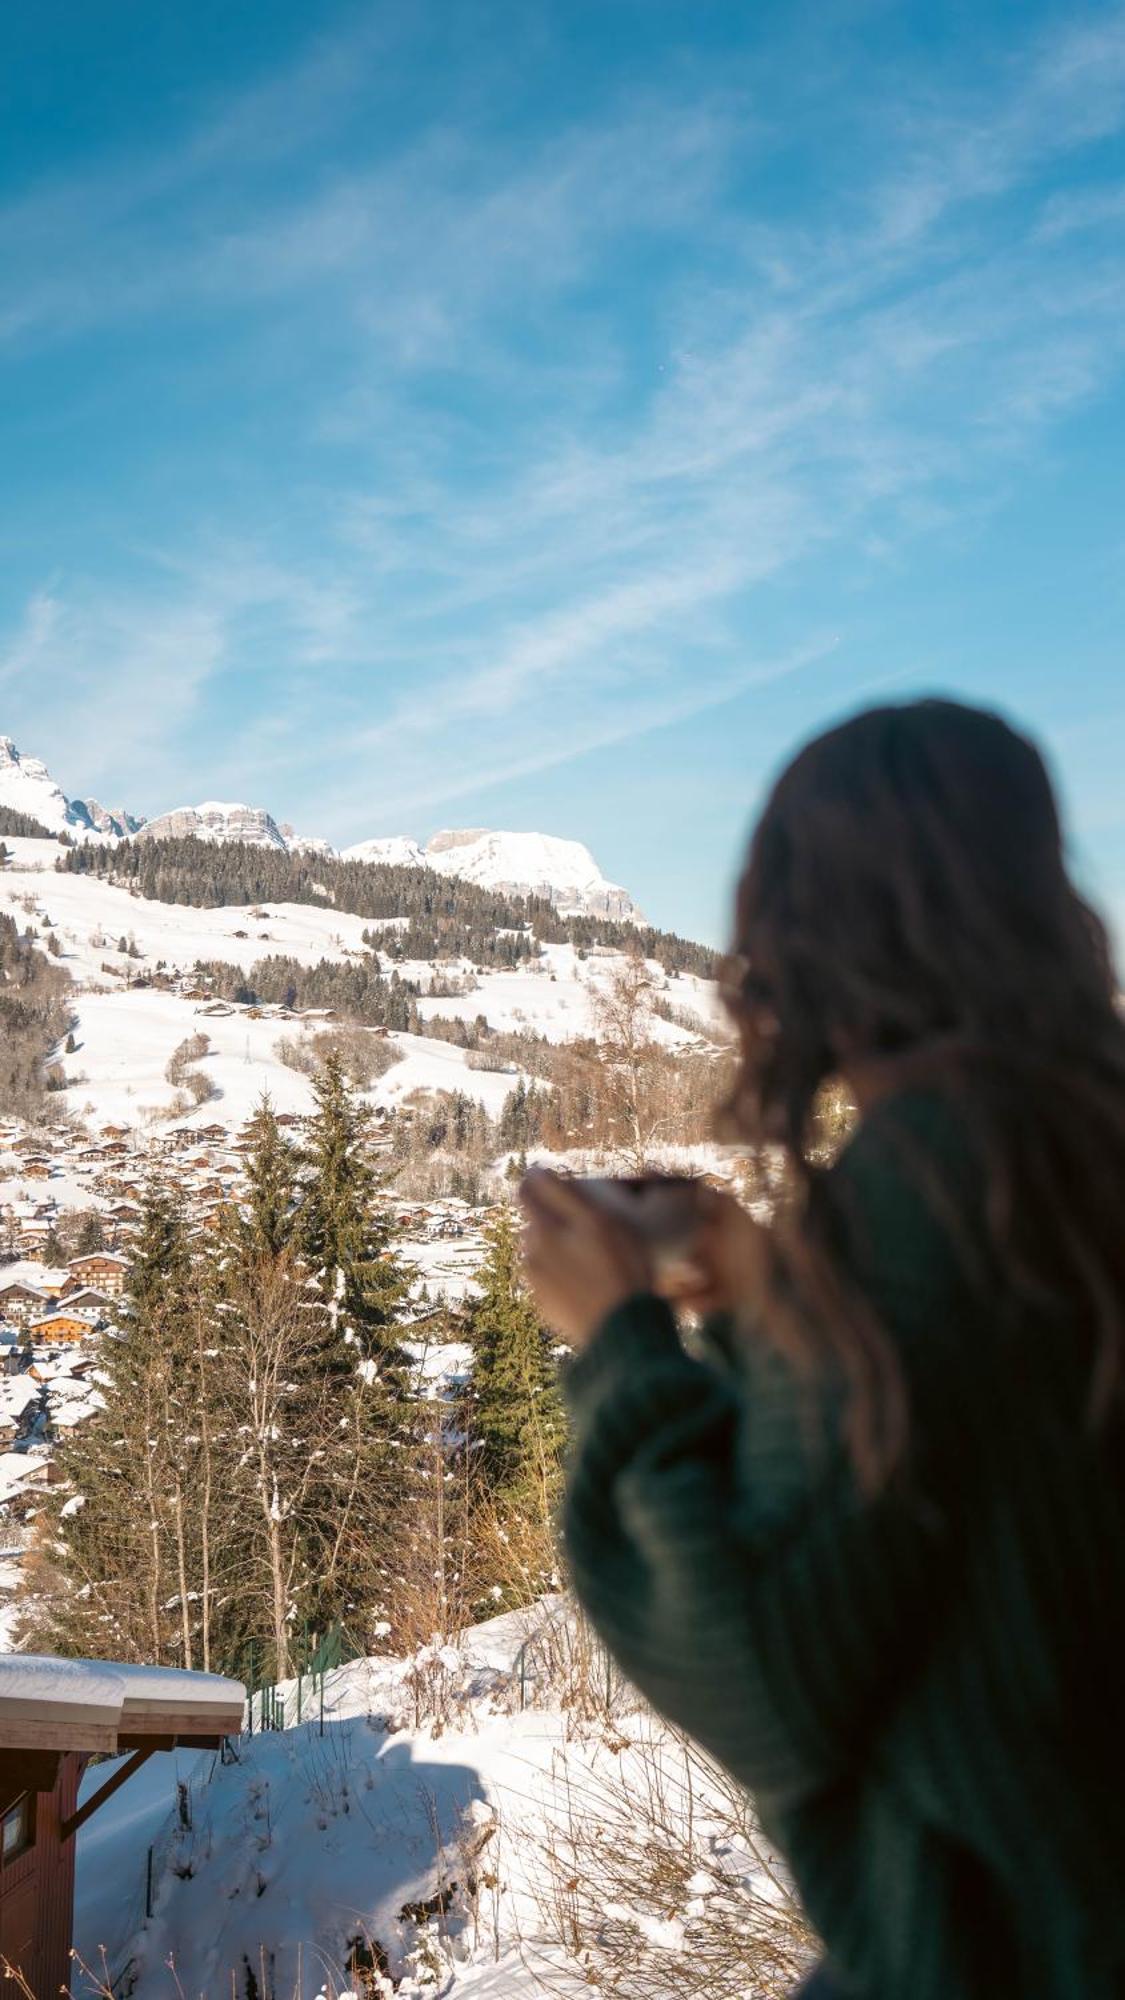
{"x": 630, "y": 1057}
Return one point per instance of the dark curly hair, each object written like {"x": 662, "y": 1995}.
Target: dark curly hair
{"x": 906, "y": 906}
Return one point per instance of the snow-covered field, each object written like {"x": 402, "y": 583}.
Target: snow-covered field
{"x": 93, "y": 915}
{"x": 125, "y": 1039}
{"x": 482, "y": 1763}
{"x": 126, "y": 1034}
{"x": 558, "y": 995}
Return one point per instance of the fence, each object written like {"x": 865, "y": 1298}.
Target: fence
{"x": 271, "y": 1704}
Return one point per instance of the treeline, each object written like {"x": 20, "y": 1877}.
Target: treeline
{"x": 22, "y": 826}
{"x": 266, "y": 1459}
{"x": 232, "y": 873}
{"x": 443, "y": 936}
{"x": 446, "y": 1143}
{"x": 353, "y": 988}
{"x": 34, "y": 1015}
{"x": 446, "y": 917}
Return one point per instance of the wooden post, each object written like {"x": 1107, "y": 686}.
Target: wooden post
{"x": 120, "y": 1777}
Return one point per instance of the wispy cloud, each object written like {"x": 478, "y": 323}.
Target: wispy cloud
{"x": 123, "y": 680}
{"x": 577, "y": 407}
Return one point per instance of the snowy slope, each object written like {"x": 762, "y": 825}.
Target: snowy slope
{"x": 313, "y": 1838}
{"x": 125, "y": 1040}
{"x": 125, "y": 1034}
{"x": 93, "y": 915}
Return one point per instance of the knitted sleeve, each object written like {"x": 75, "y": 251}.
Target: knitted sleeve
{"x": 769, "y": 1626}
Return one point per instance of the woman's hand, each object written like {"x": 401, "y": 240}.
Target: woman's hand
{"x": 728, "y": 1261}
{"x": 580, "y": 1262}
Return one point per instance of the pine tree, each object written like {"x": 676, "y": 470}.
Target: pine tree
{"x": 91, "y": 1234}
{"x": 369, "y": 1481}
{"x": 156, "y": 1287}
{"x": 270, "y": 1169}
{"x": 515, "y": 1423}
{"x": 121, "y": 1565}
{"x": 287, "y": 1383}
{"x": 517, "y": 1412}
{"x": 343, "y": 1239}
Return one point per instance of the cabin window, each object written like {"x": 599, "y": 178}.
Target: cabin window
{"x": 18, "y": 1828}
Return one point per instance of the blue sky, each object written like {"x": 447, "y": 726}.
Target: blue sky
{"x": 544, "y": 415}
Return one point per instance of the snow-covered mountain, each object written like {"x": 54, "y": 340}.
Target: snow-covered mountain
{"x": 27, "y": 786}
{"x": 218, "y": 820}
{"x": 397, "y": 850}
{"x": 99, "y": 819}
{"x": 303, "y": 843}
{"x": 521, "y": 864}
{"x": 539, "y": 864}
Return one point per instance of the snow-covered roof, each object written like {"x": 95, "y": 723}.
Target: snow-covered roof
{"x": 52, "y": 1704}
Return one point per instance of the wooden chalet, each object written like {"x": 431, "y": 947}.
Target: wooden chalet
{"x": 102, "y": 1268}
{"x": 20, "y": 1302}
{"x": 75, "y": 1294}
{"x": 54, "y": 1716}
{"x": 64, "y": 1327}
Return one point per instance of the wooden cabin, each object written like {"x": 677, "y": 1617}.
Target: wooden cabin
{"x": 54, "y": 1716}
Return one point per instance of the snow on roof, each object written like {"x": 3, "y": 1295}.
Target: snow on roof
{"x": 19, "y": 1469}
{"x": 76, "y": 1688}
{"x": 167, "y": 1689}
{"x": 17, "y": 1393}
{"x": 87, "y": 1704}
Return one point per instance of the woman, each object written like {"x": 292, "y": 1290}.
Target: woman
{"x": 868, "y": 1543}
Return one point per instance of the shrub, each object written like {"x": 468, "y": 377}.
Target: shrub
{"x": 190, "y": 1051}
{"x": 363, "y": 1056}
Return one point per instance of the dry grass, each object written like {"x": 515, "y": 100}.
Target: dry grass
{"x": 655, "y": 1883}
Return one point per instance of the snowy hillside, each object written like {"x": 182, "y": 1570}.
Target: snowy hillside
{"x": 494, "y": 1813}
{"x": 126, "y": 1033}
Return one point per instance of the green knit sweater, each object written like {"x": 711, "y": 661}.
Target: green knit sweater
{"x": 923, "y": 1691}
